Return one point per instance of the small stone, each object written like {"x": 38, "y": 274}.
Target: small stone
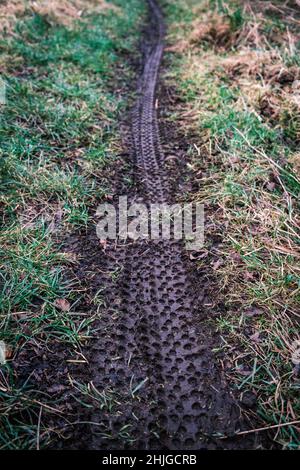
{"x": 249, "y": 399}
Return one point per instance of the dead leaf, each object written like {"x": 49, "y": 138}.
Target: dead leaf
{"x": 2, "y": 352}
{"x": 234, "y": 159}
{"x": 255, "y": 337}
{"x": 253, "y": 311}
{"x": 271, "y": 186}
{"x": 198, "y": 255}
{"x": 56, "y": 388}
{"x": 217, "y": 264}
{"x": 5, "y": 352}
{"x": 62, "y": 304}
{"x": 248, "y": 276}
{"x": 8, "y": 352}
{"x": 235, "y": 256}
{"x": 72, "y": 257}
{"x": 103, "y": 243}
{"x": 243, "y": 370}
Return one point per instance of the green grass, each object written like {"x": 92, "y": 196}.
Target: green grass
{"x": 66, "y": 89}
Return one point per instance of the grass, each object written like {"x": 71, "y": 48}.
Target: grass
{"x": 233, "y": 68}
{"x": 65, "y": 90}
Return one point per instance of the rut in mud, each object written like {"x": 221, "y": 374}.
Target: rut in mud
{"x": 152, "y": 358}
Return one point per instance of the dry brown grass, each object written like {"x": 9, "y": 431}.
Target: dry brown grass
{"x": 216, "y": 29}
{"x": 9, "y": 13}
{"x": 64, "y": 12}
{"x": 294, "y": 160}
{"x": 212, "y": 28}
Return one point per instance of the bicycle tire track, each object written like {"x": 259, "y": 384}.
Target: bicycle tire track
{"x": 169, "y": 391}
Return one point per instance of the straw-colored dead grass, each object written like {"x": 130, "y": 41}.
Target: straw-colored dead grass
{"x": 294, "y": 160}
{"x": 10, "y": 11}
{"x": 213, "y": 29}
{"x": 220, "y": 31}
{"x": 63, "y": 12}
{"x": 259, "y": 64}
{"x": 59, "y": 11}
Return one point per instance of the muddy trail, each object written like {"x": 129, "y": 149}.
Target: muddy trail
{"x": 155, "y": 379}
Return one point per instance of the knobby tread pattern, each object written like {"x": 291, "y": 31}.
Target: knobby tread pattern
{"x": 168, "y": 392}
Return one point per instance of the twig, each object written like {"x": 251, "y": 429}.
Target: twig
{"x": 274, "y": 426}
{"x": 39, "y": 429}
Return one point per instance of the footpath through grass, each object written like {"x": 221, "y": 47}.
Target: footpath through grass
{"x": 234, "y": 66}
{"x": 65, "y": 68}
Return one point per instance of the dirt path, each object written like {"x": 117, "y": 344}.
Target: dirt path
{"x": 153, "y": 357}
